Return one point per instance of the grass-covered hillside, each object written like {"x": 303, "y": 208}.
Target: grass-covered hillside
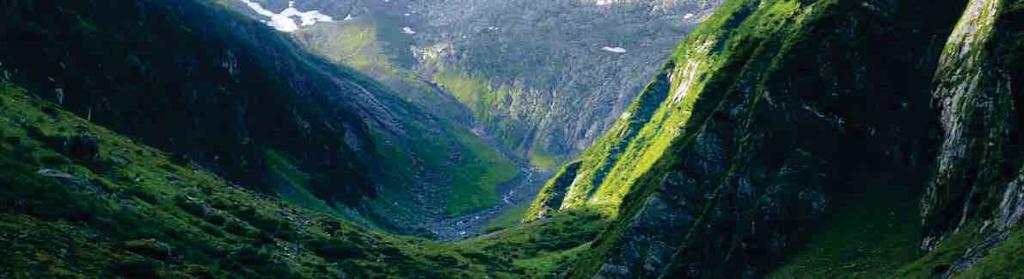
{"x": 195, "y": 80}
{"x": 799, "y": 139}
{"x": 80, "y": 201}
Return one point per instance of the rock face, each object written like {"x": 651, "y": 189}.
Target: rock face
{"x": 559, "y": 71}
{"x": 978, "y": 92}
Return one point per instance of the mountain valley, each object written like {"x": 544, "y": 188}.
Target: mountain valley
{"x": 511, "y": 139}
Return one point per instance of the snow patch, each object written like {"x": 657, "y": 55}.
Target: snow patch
{"x": 408, "y": 30}
{"x": 285, "y": 21}
{"x": 614, "y": 49}
{"x": 688, "y": 16}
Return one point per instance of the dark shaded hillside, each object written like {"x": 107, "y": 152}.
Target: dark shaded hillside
{"x": 192, "y": 79}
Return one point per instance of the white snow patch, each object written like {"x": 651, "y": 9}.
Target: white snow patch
{"x": 349, "y": 17}
{"x": 285, "y": 20}
{"x": 408, "y": 30}
{"x": 688, "y": 16}
{"x": 614, "y": 49}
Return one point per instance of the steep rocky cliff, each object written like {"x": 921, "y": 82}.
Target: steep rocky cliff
{"x": 774, "y": 116}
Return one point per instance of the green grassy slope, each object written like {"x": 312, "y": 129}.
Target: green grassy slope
{"x": 871, "y": 234}
{"x": 79, "y": 201}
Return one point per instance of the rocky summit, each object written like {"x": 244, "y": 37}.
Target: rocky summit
{"x": 511, "y": 139}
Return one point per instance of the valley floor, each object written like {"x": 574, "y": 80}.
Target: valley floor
{"x": 515, "y": 195}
